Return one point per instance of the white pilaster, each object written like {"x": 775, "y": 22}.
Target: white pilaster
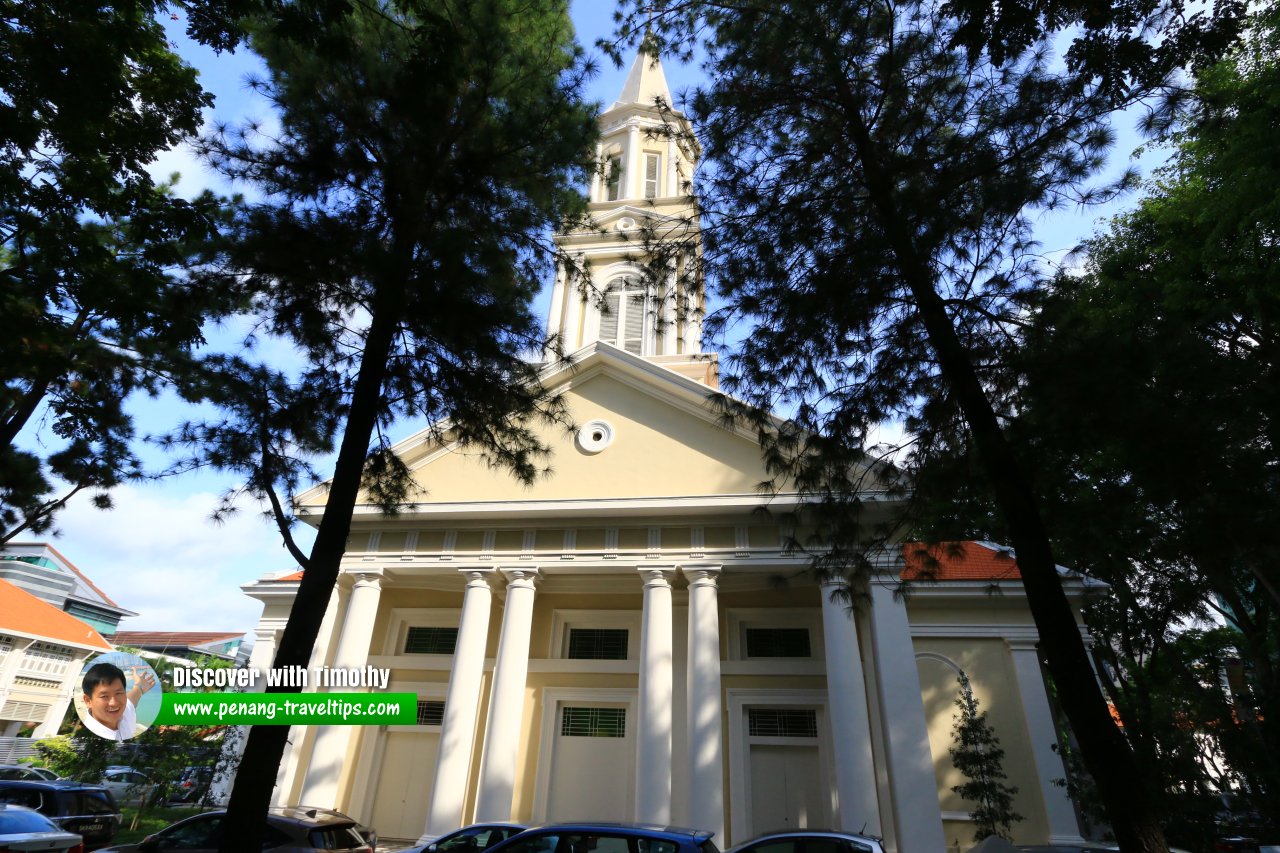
{"x": 293, "y": 763}
{"x": 506, "y": 702}
{"x": 233, "y": 743}
{"x": 330, "y": 750}
{"x": 462, "y": 702}
{"x": 706, "y": 736}
{"x": 597, "y": 185}
{"x": 912, "y": 782}
{"x": 850, "y": 725}
{"x": 653, "y": 758}
{"x": 634, "y": 164}
{"x": 1063, "y": 826}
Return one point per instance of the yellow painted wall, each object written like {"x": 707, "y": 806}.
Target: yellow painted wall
{"x": 990, "y": 670}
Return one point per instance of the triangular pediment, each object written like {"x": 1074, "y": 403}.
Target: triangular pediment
{"x": 654, "y": 434}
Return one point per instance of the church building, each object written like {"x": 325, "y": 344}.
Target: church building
{"x": 615, "y": 641}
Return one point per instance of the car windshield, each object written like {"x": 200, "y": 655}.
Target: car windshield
{"x": 708, "y": 846}
{"x": 13, "y": 821}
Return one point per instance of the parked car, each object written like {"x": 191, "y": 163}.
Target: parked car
{"x": 24, "y": 829}
{"x": 311, "y": 812}
{"x": 607, "y": 838}
{"x": 87, "y": 810}
{"x": 22, "y": 771}
{"x": 190, "y": 785}
{"x": 1084, "y": 847}
{"x": 127, "y": 785}
{"x": 811, "y": 841}
{"x": 285, "y": 833}
{"x": 471, "y": 839}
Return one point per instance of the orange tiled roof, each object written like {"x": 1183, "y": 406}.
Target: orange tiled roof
{"x": 172, "y": 639}
{"x": 22, "y": 612}
{"x": 296, "y": 576}
{"x": 958, "y": 561}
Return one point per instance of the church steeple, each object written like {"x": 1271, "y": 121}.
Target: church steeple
{"x": 639, "y": 194}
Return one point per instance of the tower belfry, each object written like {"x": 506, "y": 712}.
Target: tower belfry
{"x": 641, "y": 293}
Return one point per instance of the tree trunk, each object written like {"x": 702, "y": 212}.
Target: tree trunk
{"x": 256, "y": 775}
{"x": 1105, "y": 751}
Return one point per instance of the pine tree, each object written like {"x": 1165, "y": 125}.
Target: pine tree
{"x": 427, "y": 151}
{"x": 976, "y": 753}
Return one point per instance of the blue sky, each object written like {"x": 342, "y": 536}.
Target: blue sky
{"x": 158, "y": 553}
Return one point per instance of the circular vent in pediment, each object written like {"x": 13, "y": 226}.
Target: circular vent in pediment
{"x": 595, "y": 436}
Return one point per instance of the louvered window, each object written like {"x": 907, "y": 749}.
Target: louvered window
{"x": 593, "y": 722}
{"x": 778, "y": 643}
{"x": 622, "y": 316}
{"x": 430, "y": 712}
{"x": 651, "y": 165}
{"x": 598, "y": 643}
{"x": 779, "y": 722}
{"x": 430, "y": 641}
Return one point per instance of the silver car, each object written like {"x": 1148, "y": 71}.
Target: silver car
{"x": 811, "y": 841}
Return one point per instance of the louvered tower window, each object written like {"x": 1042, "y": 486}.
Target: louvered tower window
{"x": 651, "y": 166}
{"x": 622, "y": 317}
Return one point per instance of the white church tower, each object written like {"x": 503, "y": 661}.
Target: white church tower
{"x": 647, "y": 303}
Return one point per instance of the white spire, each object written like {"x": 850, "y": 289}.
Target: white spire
{"x": 645, "y": 83}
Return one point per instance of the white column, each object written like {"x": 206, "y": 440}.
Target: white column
{"x": 295, "y": 748}
{"x": 234, "y": 742}
{"x": 458, "y": 732}
{"x": 653, "y": 758}
{"x": 631, "y": 190}
{"x": 330, "y": 750}
{"x": 673, "y": 181}
{"x": 1063, "y": 826}
{"x": 912, "y": 783}
{"x": 597, "y": 193}
{"x": 506, "y": 701}
{"x": 706, "y": 737}
{"x": 850, "y": 725}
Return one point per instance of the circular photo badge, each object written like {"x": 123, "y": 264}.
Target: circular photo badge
{"x": 119, "y": 695}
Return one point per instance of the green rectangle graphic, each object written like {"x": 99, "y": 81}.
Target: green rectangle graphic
{"x": 288, "y": 709}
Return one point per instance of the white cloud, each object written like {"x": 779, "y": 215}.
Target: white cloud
{"x": 161, "y": 556}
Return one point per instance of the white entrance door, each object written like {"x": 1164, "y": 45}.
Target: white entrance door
{"x": 790, "y": 784}
{"x": 787, "y": 789}
{"x": 592, "y": 774}
{"x": 404, "y": 783}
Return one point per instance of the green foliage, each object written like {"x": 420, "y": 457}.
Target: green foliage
{"x": 976, "y": 753}
{"x": 1148, "y": 396}
{"x": 872, "y": 187}
{"x": 82, "y": 755}
{"x": 92, "y": 305}
{"x": 426, "y": 152}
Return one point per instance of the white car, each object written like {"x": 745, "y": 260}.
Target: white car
{"x": 127, "y": 785}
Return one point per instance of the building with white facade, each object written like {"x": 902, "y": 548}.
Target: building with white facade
{"x": 612, "y": 643}
{"x": 42, "y": 651}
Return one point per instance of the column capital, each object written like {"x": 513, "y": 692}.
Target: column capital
{"x": 265, "y": 634}
{"x": 367, "y": 578}
{"x": 479, "y": 576}
{"x": 656, "y": 576}
{"x": 522, "y": 578}
{"x": 702, "y": 575}
{"x": 834, "y": 582}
